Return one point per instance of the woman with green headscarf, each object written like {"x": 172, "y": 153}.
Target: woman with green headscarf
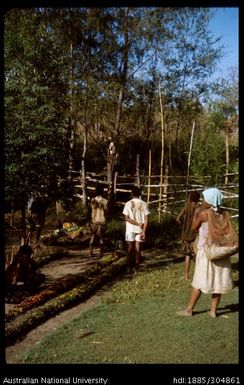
{"x": 214, "y": 277}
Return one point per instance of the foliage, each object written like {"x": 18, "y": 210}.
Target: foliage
{"x": 34, "y": 105}
{"x": 79, "y": 213}
{"x": 164, "y": 234}
{"x": 208, "y": 153}
{"x": 100, "y": 81}
{"x": 116, "y": 229}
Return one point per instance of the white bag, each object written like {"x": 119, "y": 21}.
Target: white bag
{"x": 214, "y": 252}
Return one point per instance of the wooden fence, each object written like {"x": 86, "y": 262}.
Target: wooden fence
{"x": 166, "y": 197}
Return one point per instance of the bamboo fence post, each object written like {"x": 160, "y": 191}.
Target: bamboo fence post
{"x": 166, "y": 185}
{"x": 227, "y": 155}
{"x": 83, "y": 166}
{"x": 162, "y": 152}
{"x": 149, "y": 173}
{"x": 189, "y": 158}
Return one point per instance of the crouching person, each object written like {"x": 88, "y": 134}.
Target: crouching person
{"x": 23, "y": 276}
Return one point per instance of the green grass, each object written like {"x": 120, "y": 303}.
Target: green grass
{"x": 135, "y": 322}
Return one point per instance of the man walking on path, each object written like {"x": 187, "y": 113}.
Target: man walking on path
{"x": 136, "y": 217}
{"x": 99, "y": 208}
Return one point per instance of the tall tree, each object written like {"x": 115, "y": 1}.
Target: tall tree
{"x": 192, "y": 55}
{"x": 226, "y": 108}
{"x": 34, "y": 105}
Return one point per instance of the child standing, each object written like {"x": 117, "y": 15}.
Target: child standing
{"x": 188, "y": 235}
{"x": 136, "y": 217}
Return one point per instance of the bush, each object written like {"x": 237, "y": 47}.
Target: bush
{"x": 79, "y": 214}
{"x": 164, "y": 234}
{"x": 115, "y": 230}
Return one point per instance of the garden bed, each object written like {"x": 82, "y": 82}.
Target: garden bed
{"x": 64, "y": 294}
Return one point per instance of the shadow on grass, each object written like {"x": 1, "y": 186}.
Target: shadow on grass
{"x": 232, "y": 308}
{"x": 150, "y": 263}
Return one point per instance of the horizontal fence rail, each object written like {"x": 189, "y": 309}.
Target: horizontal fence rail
{"x": 166, "y": 197}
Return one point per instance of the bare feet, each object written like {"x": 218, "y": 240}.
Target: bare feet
{"x": 132, "y": 270}
{"x": 184, "y": 313}
{"x": 212, "y": 314}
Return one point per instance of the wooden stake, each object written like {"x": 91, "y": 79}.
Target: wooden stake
{"x": 162, "y": 151}
{"x": 149, "y": 173}
{"x": 227, "y": 156}
{"x": 189, "y": 158}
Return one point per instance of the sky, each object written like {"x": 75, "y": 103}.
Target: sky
{"x": 225, "y": 24}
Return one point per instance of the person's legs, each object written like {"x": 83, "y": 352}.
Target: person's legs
{"x": 94, "y": 236}
{"x": 214, "y": 304}
{"x": 101, "y": 245}
{"x": 91, "y": 243}
{"x": 137, "y": 255}
{"x": 130, "y": 255}
{"x": 38, "y": 233}
{"x": 101, "y": 234}
{"x": 194, "y": 297}
{"x": 187, "y": 267}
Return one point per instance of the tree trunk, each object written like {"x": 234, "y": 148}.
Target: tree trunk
{"x": 72, "y": 120}
{"x": 227, "y": 155}
{"x": 23, "y": 219}
{"x": 170, "y": 157}
{"x": 83, "y": 166}
{"x": 119, "y": 110}
{"x": 115, "y": 183}
{"x": 162, "y": 151}
{"x": 112, "y": 156}
{"x": 138, "y": 170}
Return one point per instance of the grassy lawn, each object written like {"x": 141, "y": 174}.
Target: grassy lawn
{"x": 135, "y": 322}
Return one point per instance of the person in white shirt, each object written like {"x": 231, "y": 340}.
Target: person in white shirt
{"x": 136, "y": 217}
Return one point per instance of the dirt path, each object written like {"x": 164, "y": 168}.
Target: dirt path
{"x": 76, "y": 262}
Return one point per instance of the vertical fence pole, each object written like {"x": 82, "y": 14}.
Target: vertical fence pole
{"x": 162, "y": 151}
{"x": 149, "y": 173}
{"x": 189, "y": 158}
{"x": 138, "y": 170}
